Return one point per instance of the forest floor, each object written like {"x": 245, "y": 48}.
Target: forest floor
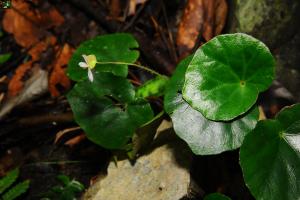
{"x": 37, "y": 130}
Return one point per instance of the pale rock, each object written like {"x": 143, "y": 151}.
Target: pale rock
{"x": 161, "y": 174}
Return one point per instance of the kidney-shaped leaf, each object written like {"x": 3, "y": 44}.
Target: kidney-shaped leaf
{"x": 107, "y": 110}
{"x": 203, "y": 136}
{"x": 226, "y": 74}
{"x": 270, "y": 157}
{"x": 119, "y": 47}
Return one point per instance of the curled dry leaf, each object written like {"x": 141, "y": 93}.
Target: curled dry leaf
{"x": 115, "y": 9}
{"x": 29, "y": 79}
{"x": 27, "y": 24}
{"x": 206, "y": 16}
{"x": 35, "y": 86}
{"x": 72, "y": 141}
{"x": 221, "y": 16}
{"x": 215, "y": 17}
{"x": 58, "y": 78}
{"x": 17, "y": 83}
{"x": 62, "y": 133}
{"x": 209, "y": 19}
{"x": 75, "y": 140}
{"x": 190, "y": 26}
{"x": 133, "y": 4}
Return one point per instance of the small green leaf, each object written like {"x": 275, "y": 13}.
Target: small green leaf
{"x": 216, "y": 196}
{"x": 270, "y": 157}
{"x": 107, "y": 109}
{"x": 75, "y": 186}
{"x": 119, "y": 47}
{"x": 4, "y": 57}
{"x": 153, "y": 88}
{"x": 16, "y": 191}
{"x": 64, "y": 179}
{"x": 226, "y": 74}
{"x": 8, "y": 180}
{"x": 203, "y": 136}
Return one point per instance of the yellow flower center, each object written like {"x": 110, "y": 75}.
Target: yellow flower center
{"x": 91, "y": 61}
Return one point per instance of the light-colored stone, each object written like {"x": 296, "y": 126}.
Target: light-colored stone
{"x": 161, "y": 174}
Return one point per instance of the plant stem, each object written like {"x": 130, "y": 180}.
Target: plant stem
{"x": 132, "y": 64}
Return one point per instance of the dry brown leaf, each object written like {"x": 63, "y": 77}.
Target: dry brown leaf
{"x": 27, "y": 24}
{"x": 115, "y": 9}
{"x": 190, "y": 26}
{"x": 209, "y": 19}
{"x": 75, "y": 140}
{"x": 16, "y": 84}
{"x": 206, "y": 16}
{"x": 34, "y": 86}
{"x": 58, "y": 77}
{"x": 262, "y": 115}
{"x": 61, "y": 133}
{"x": 221, "y": 16}
{"x": 215, "y": 17}
{"x": 132, "y": 6}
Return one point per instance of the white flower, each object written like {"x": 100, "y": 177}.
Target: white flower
{"x": 89, "y": 63}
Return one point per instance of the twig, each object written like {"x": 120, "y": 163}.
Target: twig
{"x": 43, "y": 119}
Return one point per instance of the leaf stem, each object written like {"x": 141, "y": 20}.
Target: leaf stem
{"x": 132, "y": 64}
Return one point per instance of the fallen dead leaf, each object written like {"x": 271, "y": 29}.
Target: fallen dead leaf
{"x": 115, "y": 9}
{"x": 190, "y": 26}
{"x": 58, "y": 78}
{"x": 35, "y": 86}
{"x": 133, "y": 4}
{"x": 200, "y": 17}
{"x": 221, "y": 16}
{"x": 209, "y": 19}
{"x": 215, "y": 17}
{"x": 76, "y": 140}
{"x": 62, "y": 133}
{"x": 29, "y": 25}
{"x": 262, "y": 115}
{"x": 17, "y": 82}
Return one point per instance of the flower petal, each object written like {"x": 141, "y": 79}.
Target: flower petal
{"x": 83, "y": 65}
{"x": 85, "y": 58}
{"x": 90, "y": 75}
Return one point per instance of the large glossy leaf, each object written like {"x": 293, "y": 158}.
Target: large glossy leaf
{"x": 226, "y": 74}
{"x": 270, "y": 157}
{"x": 107, "y": 110}
{"x": 203, "y": 136}
{"x": 119, "y": 47}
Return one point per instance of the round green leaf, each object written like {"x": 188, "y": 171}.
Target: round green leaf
{"x": 107, "y": 110}
{"x": 204, "y": 136}
{"x": 216, "y": 196}
{"x": 270, "y": 157}
{"x": 119, "y": 47}
{"x": 226, "y": 74}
